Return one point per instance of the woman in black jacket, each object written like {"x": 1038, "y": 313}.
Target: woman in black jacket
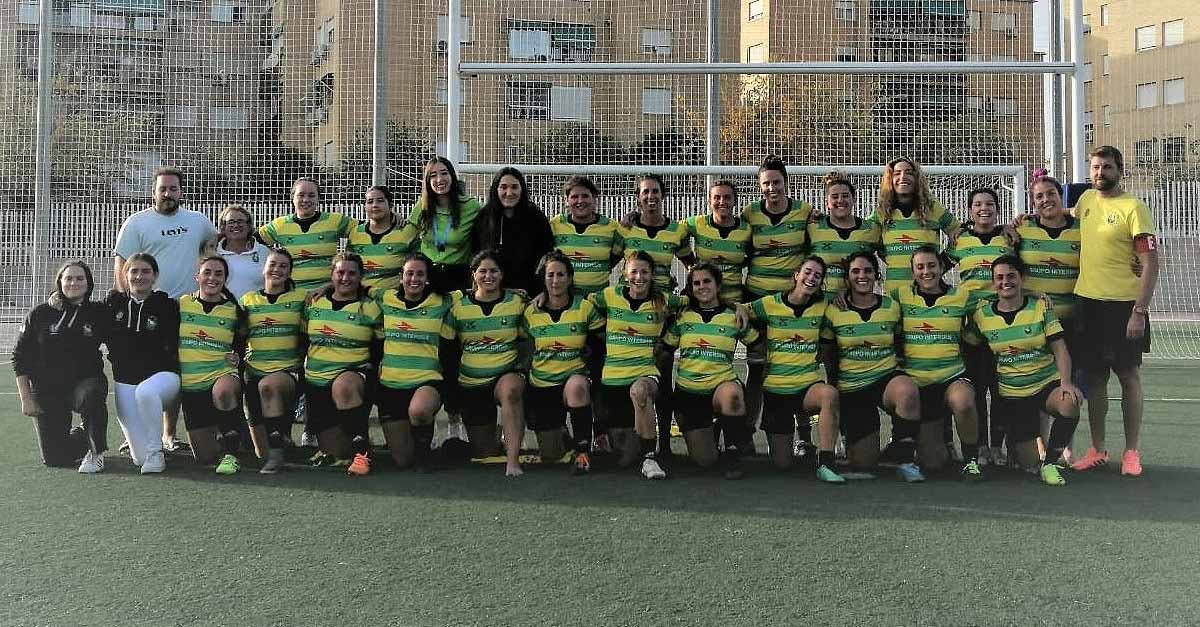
{"x": 143, "y": 346}
{"x": 59, "y": 371}
{"x": 513, "y": 226}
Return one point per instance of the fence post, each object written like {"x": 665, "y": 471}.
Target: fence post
{"x": 379, "y": 172}
{"x": 712, "y": 121}
{"x": 39, "y": 256}
{"x": 453, "y": 81}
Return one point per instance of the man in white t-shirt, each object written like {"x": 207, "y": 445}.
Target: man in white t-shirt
{"x": 175, "y": 237}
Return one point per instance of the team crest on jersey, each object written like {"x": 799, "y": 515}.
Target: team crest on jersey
{"x": 883, "y": 327}
{"x": 151, "y": 323}
{"x": 1112, "y": 218}
{"x": 574, "y": 328}
{"x": 595, "y": 240}
{"x": 120, "y": 316}
{"x": 254, "y": 257}
{"x": 1075, "y": 246}
{"x": 945, "y": 310}
{"x": 1028, "y": 331}
{"x": 221, "y": 322}
{"x": 849, "y": 331}
{"x": 350, "y": 317}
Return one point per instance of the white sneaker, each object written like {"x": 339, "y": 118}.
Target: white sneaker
{"x": 155, "y": 463}
{"x": 308, "y": 440}
{"x": 456, "y": 430}
{"x": 651, "y": 469}
{"x": 999, "y": 458}
{"x": 174, "y": 445}
{"x": 985, "y": 457}
{"x": 273, "y": 463}
{"x": 92, "y": 463}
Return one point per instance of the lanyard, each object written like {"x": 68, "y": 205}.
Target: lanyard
{"x": 440, "y": 237}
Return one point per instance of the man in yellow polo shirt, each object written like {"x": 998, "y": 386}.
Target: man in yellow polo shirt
{"x": 1115, "y": 227}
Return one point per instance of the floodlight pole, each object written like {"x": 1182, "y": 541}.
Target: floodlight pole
{"x": 379, "y": 173}
{"x": 453, "y": 81}
{"x": 712, "y": 118}
{"x": 39, "y": 256}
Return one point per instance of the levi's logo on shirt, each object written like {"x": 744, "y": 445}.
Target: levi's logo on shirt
{"x": 175, "y": 232}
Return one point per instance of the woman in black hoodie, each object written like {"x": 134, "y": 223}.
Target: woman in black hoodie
{"x": 58, "y": 368}
{"x": 516, "y": 229}
{"x": 143, "y": 346}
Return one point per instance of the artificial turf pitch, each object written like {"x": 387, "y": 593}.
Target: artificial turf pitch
{"x": 466, "y": 546}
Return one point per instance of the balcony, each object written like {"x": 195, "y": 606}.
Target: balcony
{"x": 919, "y": 18}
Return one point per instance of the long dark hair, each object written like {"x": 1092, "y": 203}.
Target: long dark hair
{"x": 488, "y": 227}
{"x": 481, "y": 257}
{"x": 57, "y": 298}
{"x": 549, "y": 258}
{"x": 429, "y": 202}
{"x": 703, "y": 266}
{"x": 657, "y": 299}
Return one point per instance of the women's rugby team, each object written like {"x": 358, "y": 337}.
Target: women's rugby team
{"x": 472, "y": 306}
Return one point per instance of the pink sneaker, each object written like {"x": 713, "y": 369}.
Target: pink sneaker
{"x": 1131, "y": 464}
{"x": 1093, "y": 459}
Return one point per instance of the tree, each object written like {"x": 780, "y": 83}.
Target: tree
{"x": 573, "y": 143}
{"x": 408, "y": 148}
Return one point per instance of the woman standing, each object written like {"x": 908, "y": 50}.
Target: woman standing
{"x": 706, "y": 334}
{"x": 1033, "y": 366}
{"x": 244, "y": 254}
{"x": 210, "y": 322}
{"x": 382, "y": 241}
{"x": 793, "y": 387}
{"x": 516, "y": 229}
{"x": 486, "y": 321}
{"x": 275, "y": 347}
{"x": 910, "y": 217}
{"x": 143, "y": 347}
{"x": 411, "y": 373}
{"x": 864, "y": 337}
{"x": 839, "y": 233}
{"x": 445, "y": 218}
{"x": 722, "y": 239}
{"x": 59, "y": 371}
{"x": 636, "y": 314}
{"x": 561, "y": 326}
{"x": 344, "y": 346}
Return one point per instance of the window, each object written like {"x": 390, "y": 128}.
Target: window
{"x": 183, "y": 116}
{"x": 226, "y": 11}
{"x": 656, "y": 101}
{"x": 326, "y": 155}
{"x": 572, "y": 104}
{"x": 323, "y": 41}
{"x": 442, "y": 91}
{"x": 552, "y": 41}
{"x": 974, "y": 103}
{"x": 1144, "y": 38}
{"x": 1174, "y": 149}
{"x": 974, "y": 20}
{"x": 1004, "y": 106}
{"x": 1105, "y": 69}
{"x": 465, "y": 34}
{"x": 529, "y": 44}
{"x": 1173, "y": 91}
{"x": 655, "y": 40}
{"x": 754, "y": 10}
{"x": 1172, "y": 33}
{"x": 1143, "y": 152}
{"x": 1087, "y": 72}
{"x": 1146, "y": 95}
{"x": 529, "y": 100}
{"x": 756, "y": 53}
{"x": 1106, "y": 113}
{"x": 228, "y": 118}
{"x": 845, "y": 10}
{"x": 1104, "y": 15}
{"x": 109, "y": 20}
{"x": 1004, "y": 23}
{"x": 27, "y": 13}
{"x": 846, "y": 54}
{"x": 1089, "y": 128}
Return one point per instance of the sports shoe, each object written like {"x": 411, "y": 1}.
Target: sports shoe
{"x": 600, "y": 444}
{"x": 174, "y": 445}
{"x": 805, "y": 453}
{"x": 582, "y": 465}
{"x": 155, "y": 463}
{"x": 457, "y": 430}
{"x": 1052, "y": 475}
{"x": 92, "y": 463}
{"x": 274, "y": 462}
{"x": 971, "y": 472}
{"x": 308, "y": 440}
{"x": 651, "y": 469}
{"x": 999, "y": 457}
{"x": 910, "y": 472}
{"x": 828, "y": 475}
{"x": 1092, "y": 459}
{"x": 1131, "y": 463}
{"x": 361, "y": 465}
{"x": 321, "y": 459}
{"x": 229, "y": 465}
{"x": 124, "y": 448}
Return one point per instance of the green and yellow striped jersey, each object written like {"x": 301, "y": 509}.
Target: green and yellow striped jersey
{"x": 777, "y": 247}
{"x": 793, "y": 340}
{"x": 974, "y": 254}
{"x": 205, "y": 337}
{"x": 933, "y": 332}
{"x": 276, "y": 323}
{"x": 667, "y": 242}
{"x": 728, "y": 248}
{"x": 312, "y": 248}
{"x": 631, "y": 333}
{"x": 906, "y": 234}
{"x": 1024, "y": 362}
{"x": 442, "y": 242}
{"x": 591, "y": 249}
{"x": 489, "y": 340}
{"x": 339, "y": 339}
{"x": 558, "y": 340}
{"x": 833, "y": 244}
{"x": 1052, "y": 257}
{"x": 706, "y": 341}
{"x": 866, "y": 342}
{"x": 412, "y": 337}
{"x": 383, "y": 253}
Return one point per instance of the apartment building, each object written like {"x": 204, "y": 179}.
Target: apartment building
{"x": 1141, "y": 76}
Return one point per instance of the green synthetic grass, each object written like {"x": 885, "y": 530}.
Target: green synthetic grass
{"x": 468, "y": 547}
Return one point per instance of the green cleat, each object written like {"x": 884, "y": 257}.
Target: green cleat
{"x": 971, "y": 472}
{"x": 828, "y": 475}
{"x": 228, "y": 466}
{"x": 1052, "y": 475}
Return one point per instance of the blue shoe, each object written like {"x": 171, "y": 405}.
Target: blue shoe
{"x": 827, "y": 475}
{"x": 910, "y": 473}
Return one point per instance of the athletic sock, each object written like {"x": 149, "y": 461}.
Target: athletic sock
{"x": 354, "y": 423}
{"x": 904, "y": 440}
{"x": 648, "y": 447}
{"x": 581, "y": 428}
{"x": 948, "y": 430}
{"x": 734, "y": 428}
{"x": 230, "y": 441}
{"x": 1061, "y": 433}
{"x": 826, "y": 458}
{"x": 275, "y": 439}
{"x": 970, "y": 452}
{"x": 804, "y": 429}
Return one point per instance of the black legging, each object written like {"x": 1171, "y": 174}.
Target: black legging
{"x": 58, "y": 445}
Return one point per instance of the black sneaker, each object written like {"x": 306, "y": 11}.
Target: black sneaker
{"x": 731, "y": 465}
